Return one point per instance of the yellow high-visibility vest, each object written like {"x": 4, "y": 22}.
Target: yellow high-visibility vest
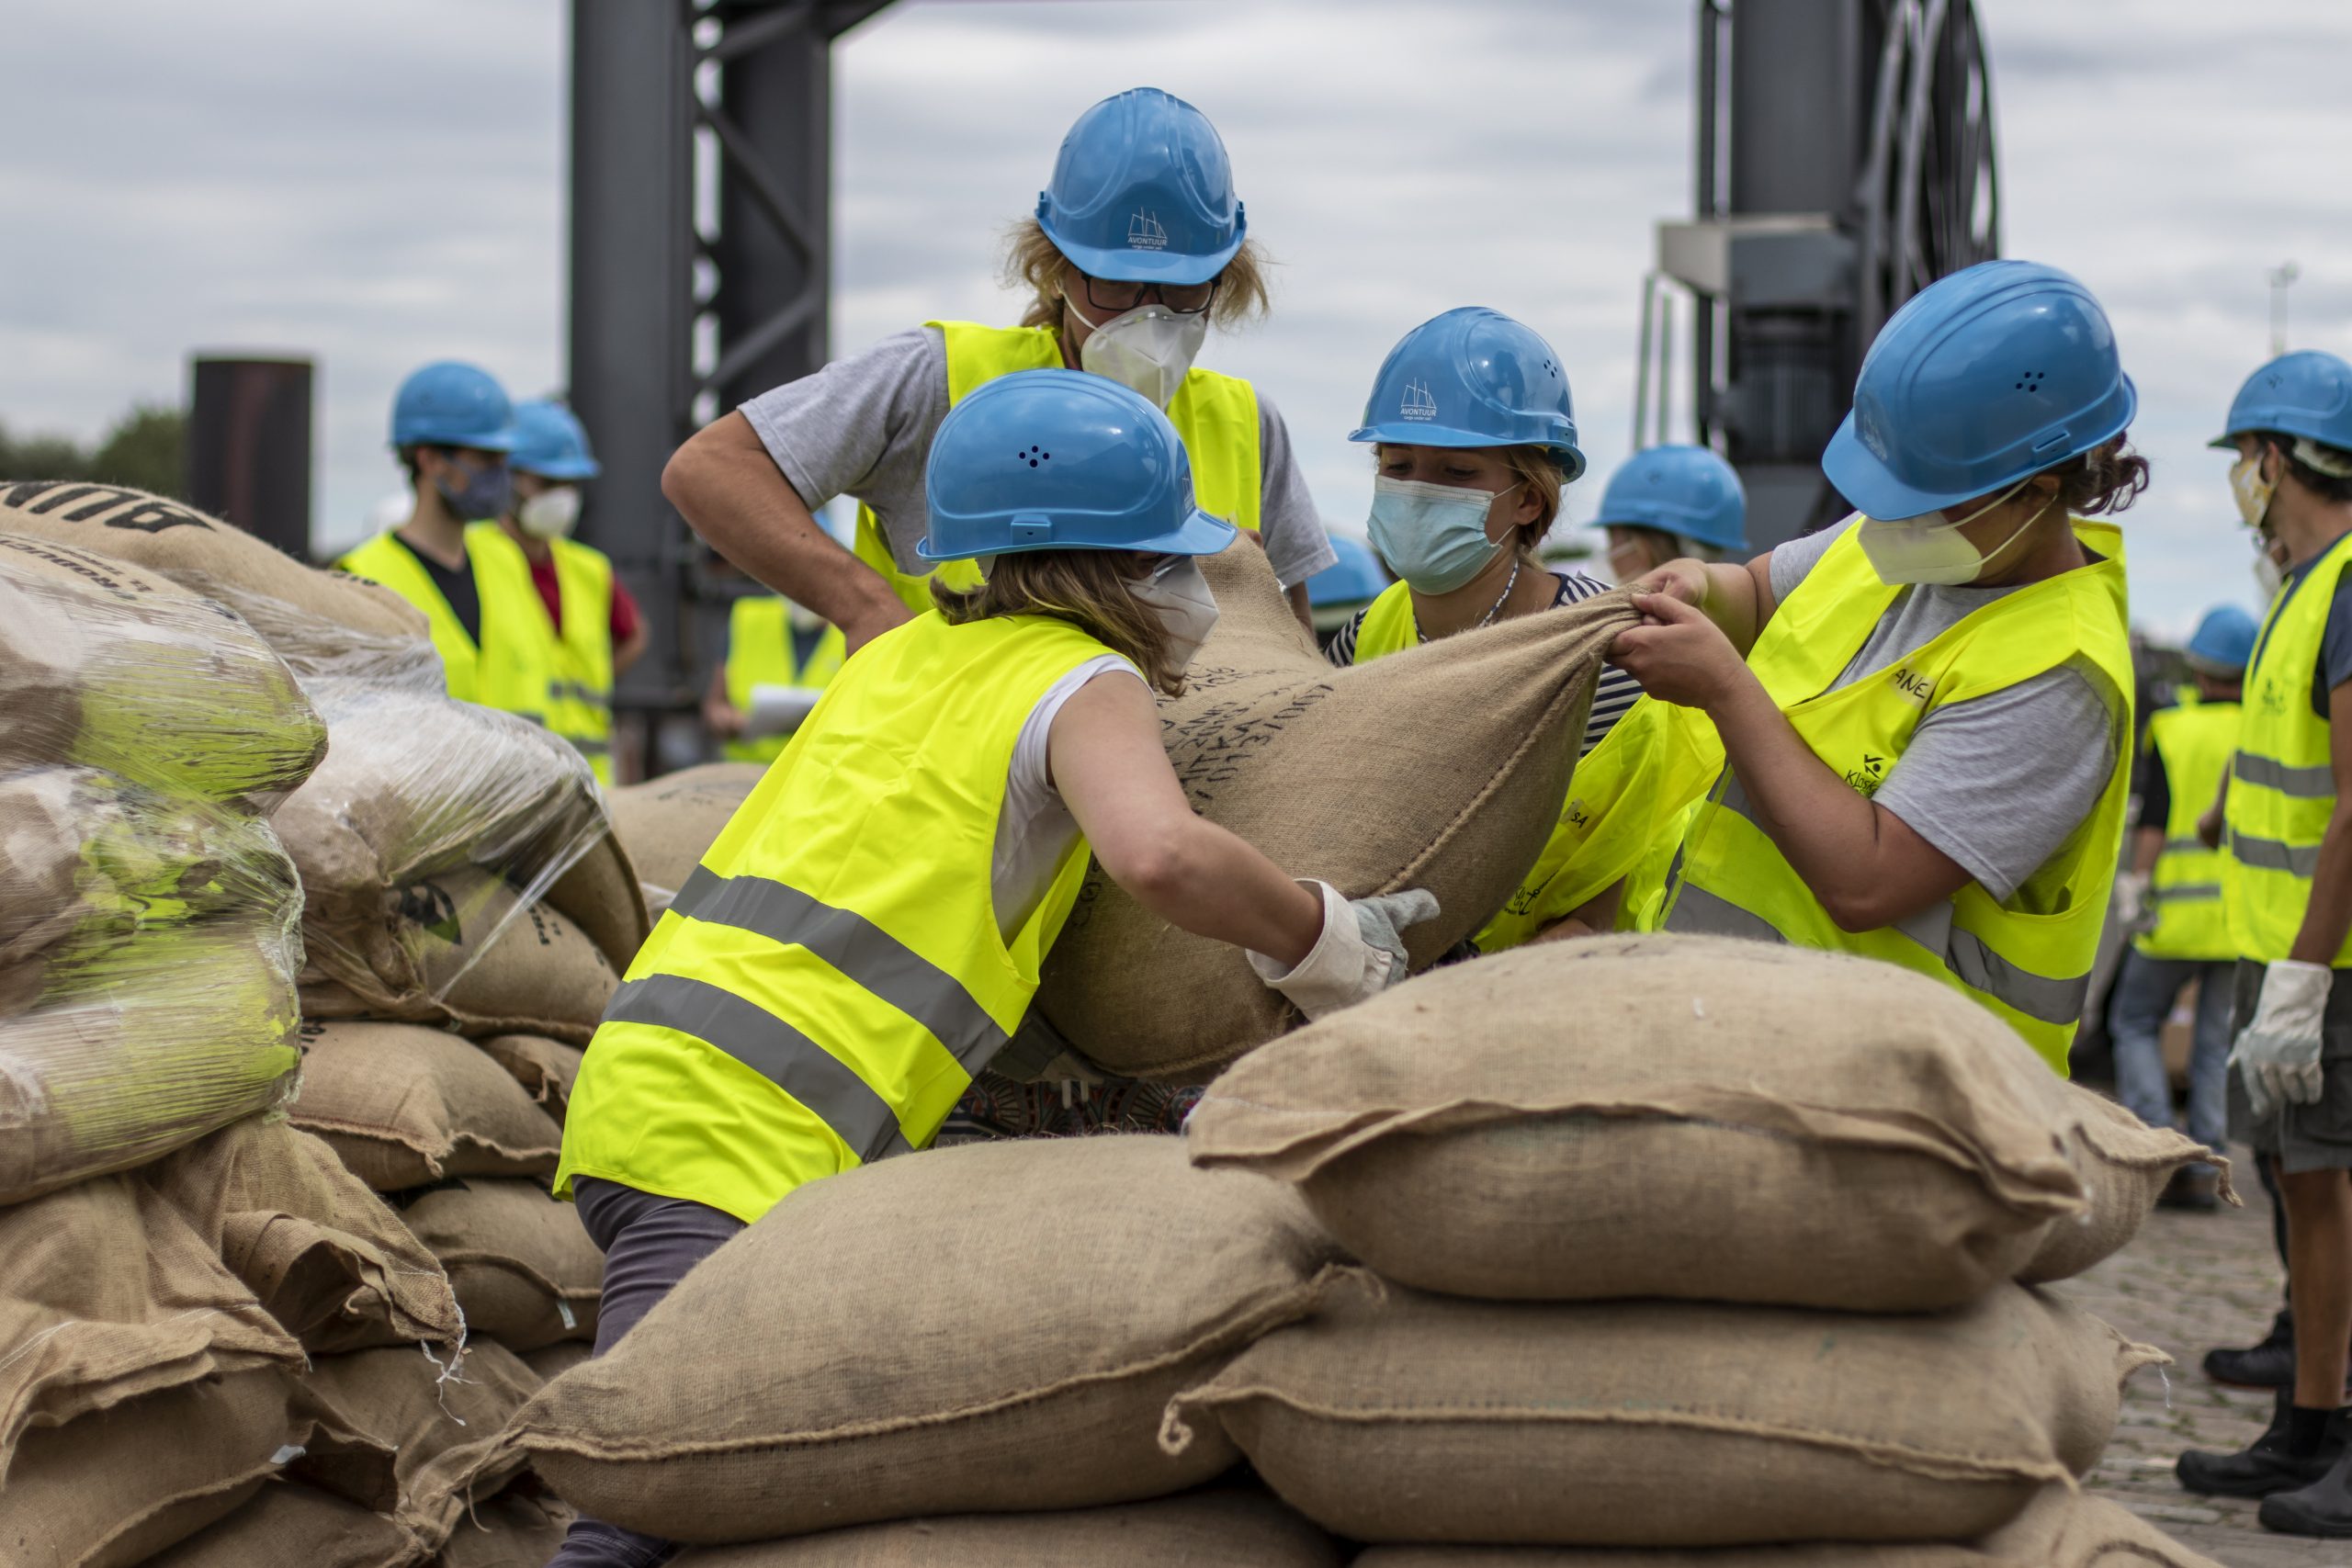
{"x": 1623, "y": 800}
{"x": 2029, "y": 957}
{"x": 580, "y": 691}
{"x": 759, "y": 653}
{"x": 1216, "y": 415}
{"x": 832, "y": 974}
{"x": 2282, "y": 780}
{"x": 512, "y": 667}
{"x": 2194, "y": 741}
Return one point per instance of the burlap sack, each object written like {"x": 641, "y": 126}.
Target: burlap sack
{"x": 602, "y": 896}
{"x": 2124, "y": 1163}
{"x": 1441, "y": 767}
{"x": 136, "y": 1047}
{"x": 201, "y": 553}
{"x": 111, "y": 667}
{"x": 439, "y": 1424}
{"x": 1220, "y": 1528}
{"x": 667, "y": 823}
{"x": 291, "y": 1526}
{"x": 520, "y": 1528}
{"x": 87, "y": 855}
{"x": 981, "y": 1329}
{"x": 330, "y": 1263}
{"x": 402, "y": 1106}
{"x": 462, "y": 950}
{"x": 546, "y": 1068}
{"x": 1663, "y": 1116}
{"x": 109, "y": 1294}
{"x": 553, "y": 1361}
{"x": 1396, "y": 1416}
{"x": 112, "y": 1489}
{"x": 2061, "y": 1528}
{"x": 525, "y": 1272}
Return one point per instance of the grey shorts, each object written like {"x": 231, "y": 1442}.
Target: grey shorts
{"x": 2305, "y": 1137}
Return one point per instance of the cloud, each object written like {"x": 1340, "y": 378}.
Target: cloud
{"x": 380, "y": 185}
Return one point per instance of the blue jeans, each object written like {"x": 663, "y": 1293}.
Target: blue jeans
{"x": 2144, "y": 993}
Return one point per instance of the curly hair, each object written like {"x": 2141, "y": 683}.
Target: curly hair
{"x": 2107, "y": 478}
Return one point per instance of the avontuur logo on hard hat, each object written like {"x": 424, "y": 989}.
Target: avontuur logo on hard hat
{"x": 1145, "y": 234}
{"x": 1418, "y": 403}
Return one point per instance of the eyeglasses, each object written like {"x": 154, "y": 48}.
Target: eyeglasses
{"x": 1117, "y": 294}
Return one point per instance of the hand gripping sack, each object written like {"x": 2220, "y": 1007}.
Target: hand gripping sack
{"x": 1688, "y": 1117}
{"x": 819, "y": 1370}
{"x": 1441, "y": 767}
{"x": 1396, "y": 1415}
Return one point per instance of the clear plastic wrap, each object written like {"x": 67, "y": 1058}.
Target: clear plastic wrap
{"x": 112, "y": 667}
{"x": 124, "y": 1042}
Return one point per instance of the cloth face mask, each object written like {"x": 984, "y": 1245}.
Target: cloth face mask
{"x": 484, "y": 493}
{"x": 1180, "y": 596}
{"x": 551, "y": 514}
{"x": 1149, "y": 350}
{"x": 1432, "y": 535}
{"x": 1930, "y": 550}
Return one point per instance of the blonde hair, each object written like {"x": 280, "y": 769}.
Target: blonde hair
{"x": 1093, "y": 590}
{"x": 1032, "y": 261}
{"x": 1539, "y": 471}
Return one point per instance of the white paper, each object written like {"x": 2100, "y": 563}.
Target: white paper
{"x": 778, "y": 710}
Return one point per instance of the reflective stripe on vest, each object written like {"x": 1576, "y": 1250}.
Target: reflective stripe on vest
{"x": 2282, "y": 780}
{"x": 2193, "y": 741}
{"x": 832, "y": 976}
{"x": 510, "y": 669}
{"x": 1216, "y": 415}
{"x": 2028, "y": 958}
{"x": 760, "y": 653}
{"x": 579, "y": 696}
{"x": 1621, "y": 800}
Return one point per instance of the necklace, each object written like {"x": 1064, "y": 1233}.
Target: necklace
{"x": 1492, "y": 610}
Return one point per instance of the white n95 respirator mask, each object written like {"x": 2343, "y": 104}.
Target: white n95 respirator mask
{"x": 1180, "y": 596}
{"x": 551, "y": 514}
{"x": 1149, "y": 350}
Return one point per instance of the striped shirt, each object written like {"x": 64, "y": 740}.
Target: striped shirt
{"x": 1617, "y": 692}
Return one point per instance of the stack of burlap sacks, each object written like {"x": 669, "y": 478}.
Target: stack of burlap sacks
{"x": 266, "y": 1346}
{"x": 1667, "y": 1251}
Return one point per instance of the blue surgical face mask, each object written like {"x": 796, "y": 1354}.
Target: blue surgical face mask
{"x": 1435, "y": 536}
{"x": 476, "y": 494}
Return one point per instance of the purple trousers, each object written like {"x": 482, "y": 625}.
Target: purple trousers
{"x": 650, "y": 1243}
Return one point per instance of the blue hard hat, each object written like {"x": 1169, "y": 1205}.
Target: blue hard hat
{"x": 1985, "y": 378}
{"x": 451, "y": 403}
{"x": 2306, "y": 393}
{"x": 1687, "y": 490}
{"x": 1143, "y": 192}
{"x": 1474, "y": 378}
{"x": 2224, "y": 639}
{"x": 1355, "y": 578}
{"x": 550, "y": 440}
{"x": 1061, "y": 460}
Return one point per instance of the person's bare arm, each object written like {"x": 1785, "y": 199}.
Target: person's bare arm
{"x": 2147, "y": 844}
{"x": 631, "y": 649}
{"x": 2211, "y": 825}
{"x": 721, "y": 717}
{"x": 1594, "y": 916}
{"x": 1867, "y": 865}
{"x": 2328, "y": 917}
{"x": 1738, "y": 599}
{"x": 1109, "y": 766}
{"x": 725, "y": 484}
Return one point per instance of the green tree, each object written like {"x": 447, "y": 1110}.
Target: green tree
{"x": 145, "y": 449}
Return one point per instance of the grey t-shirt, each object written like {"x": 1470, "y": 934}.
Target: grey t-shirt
{"x": 2000, "y": 782}
{"x": 862, "y": 427}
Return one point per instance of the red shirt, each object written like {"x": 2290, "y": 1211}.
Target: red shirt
{"x": 623, "y": 619}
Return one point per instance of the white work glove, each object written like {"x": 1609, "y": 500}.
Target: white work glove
{"x": 1359, "y": 953}
{"x": 2276, "y": 1056}
{"x": 2132, "y": 902}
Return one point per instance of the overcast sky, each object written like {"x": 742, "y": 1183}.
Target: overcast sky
{"x": 380, "y": 185}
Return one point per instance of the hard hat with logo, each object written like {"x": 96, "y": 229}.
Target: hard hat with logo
{"x": 1354, "y": 579}
{"x": 451, "y": 403}
{"x": 2306, "y": 393}
{"x": 1474, "y": 378}
{"x": 1143, "y": 192}
{"x": 1686, "y": 491}
{"x": 1984, "y": 378}
{"x": 1061, "y": 460}
{"x": 550, "y": 440}
{"x": 2224, "y": 641}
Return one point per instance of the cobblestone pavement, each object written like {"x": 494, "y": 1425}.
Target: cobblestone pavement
{"x": 2187, "y": 1283}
